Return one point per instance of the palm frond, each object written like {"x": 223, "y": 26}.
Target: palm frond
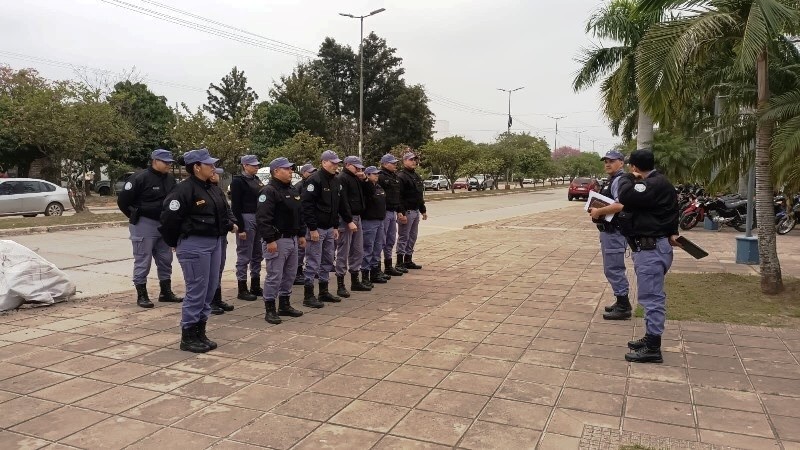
{"x": 596, "y": 63}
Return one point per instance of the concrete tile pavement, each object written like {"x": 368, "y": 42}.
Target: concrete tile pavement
{"x": 497, "y": 343}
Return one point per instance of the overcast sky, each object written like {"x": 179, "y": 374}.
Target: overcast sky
{"x": 461, "y": 51}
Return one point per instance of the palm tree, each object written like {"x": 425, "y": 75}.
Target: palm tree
{"x": 757, "y": 28}
{"x": 622, "y": 22}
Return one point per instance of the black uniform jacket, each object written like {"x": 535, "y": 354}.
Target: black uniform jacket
{"x": 194, "y": 208}
{"x": 279, "y": 212}
{"x": 375, "y": 198}
{"x": 352, "y": 203}
{"x": 144, "y": 193}
{"x": 320, "y": 198}
{"x": 653, "y": 204}
{"x": 244, "y": 196}
{"x": 391, "y": 185}
{"x": 411, "y": 191}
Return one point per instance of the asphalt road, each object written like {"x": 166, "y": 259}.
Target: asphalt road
{"x": 99, "y": 261}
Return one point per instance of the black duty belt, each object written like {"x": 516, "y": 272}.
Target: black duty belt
{"x": 289, "y": 235}
{"x": 605, "y": 227}
{"x": 639, "y": 243}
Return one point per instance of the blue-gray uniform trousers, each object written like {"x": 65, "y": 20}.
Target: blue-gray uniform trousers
{"x": 319, "y": 256}
{"x": 612, "y": 247}
{"x": 407, "y": 233}
{"x": 200, "y": 258}
{"x": 389, "y": 233}
{"x": 651, "y": 266}
{"x": 373, "y": 243}
{"x": 147, "y": 246}
{"x": 248, "y": 251}
{"x": 349, "y": 248}
{"x": 223, "y": 257}
{"x": 281, "y": 269}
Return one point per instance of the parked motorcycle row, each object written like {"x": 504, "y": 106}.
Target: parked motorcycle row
{"x": 731, "y": 210}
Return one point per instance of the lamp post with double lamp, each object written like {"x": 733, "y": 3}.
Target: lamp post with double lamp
{"x": 508, "y": 175}
{"x": 361, "y": 78}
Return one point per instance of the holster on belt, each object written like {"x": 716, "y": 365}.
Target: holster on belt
{"x": 642, "y": 243}
{"x": 604, "y": 227}
{"x": 134, "y": 218}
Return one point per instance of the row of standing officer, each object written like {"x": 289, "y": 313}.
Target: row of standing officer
{"x": 646, "y": 220}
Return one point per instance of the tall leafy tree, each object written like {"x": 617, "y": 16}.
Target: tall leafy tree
{"x": 232, "y": 98}
{"x": 301, "y": 148}
{"x": 302, "y": 91}
{"x": 409, "y": 120}
{"x": 272, "y": 125}
{"x": 449, "y": 156}
{"x": 148, "y": 115}
{"x": 759, "y": 29}
{"x": 623, "y": 23}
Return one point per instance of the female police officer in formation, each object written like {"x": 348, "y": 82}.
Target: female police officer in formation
{"x": 245, "y": 189}
{"x": 195, "y": 221}
{"x": 279, "y": 220}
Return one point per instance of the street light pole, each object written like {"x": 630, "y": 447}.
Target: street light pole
{"x": 508, "y": 132}
{"x": 555, "y": 138}
{"x": 361, "y": 78}
{"x": 579, "y": 139}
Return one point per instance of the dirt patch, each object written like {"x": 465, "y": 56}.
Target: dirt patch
{"x": 46, "y": 221}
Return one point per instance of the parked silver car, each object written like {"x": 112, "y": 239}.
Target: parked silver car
{"x": 29, "y": 197}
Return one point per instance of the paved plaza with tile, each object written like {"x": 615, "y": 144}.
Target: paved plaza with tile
{"x": 498, "y": 342}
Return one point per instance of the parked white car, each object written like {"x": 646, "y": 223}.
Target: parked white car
{"x": 436, "y": 182}
{"x": 29, "y": 197}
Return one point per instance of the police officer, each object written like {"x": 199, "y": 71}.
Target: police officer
{"x": 219, "y": 306}
{"x": 280, "y": 224}
{"x": 245, "y": 190}
{"x": 412, "y": 203}
{"x": 195, "y": 221}
{"x": 320, "y": 199}
{"x": 141, "y": 201}
{"x": 350, "y": 246}
{"x": 649, "y": 220}
{"x": 305, "y": 173}
{"x": 612, "y": 243}
{"x": 372, "y": 225}
{"x": 387, "y": 178}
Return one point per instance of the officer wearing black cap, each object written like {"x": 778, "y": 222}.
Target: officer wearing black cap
{"x": 195, "y": 221}
{"x": 649, "y": 221}
{"x": 245, "y": 189}
{"x": 280, "y": 224}
{"x": 613, "y": 244}
{"x": 140, "y": 201}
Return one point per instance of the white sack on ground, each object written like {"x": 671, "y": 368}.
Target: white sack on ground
{"x": 26, "y": 277}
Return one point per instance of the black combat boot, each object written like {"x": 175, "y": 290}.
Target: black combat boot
{"x": 166, "y": 294}
{"x": 365, "y": 279}
{"x": 142, "y": 299}
{"x": 222, "y": 304}
{"x": 216, "y": 309}
{"x": 201, "y": 334}
{"x": 285, "y": 307}
{"x": 308, "y": 297}
{"x": 375, "y": 276}
{"x": 299, "y": 278}
{"x": 271, "y": 316}
{"x": 383, "y": 273}
{"x": 356, "y": 285}
{"x": 649, "y": 353}
{"x": 400, "y": 264}
{"x": 389, "y": 270}
{"x": 255, "y": 286}
{"x": 244, "y": 293}
{"x": 621, "y": 309}
{"x": 341, "y": 291}
{"x": 409, "y": 264}
{"x": 325, "y": 295}
{"x": 638, "y": 343}
{"x": 620, "y": 300}
{"x": 190, "y": 340}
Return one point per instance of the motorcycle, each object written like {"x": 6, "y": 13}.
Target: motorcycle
{"x": 786, "y": 220}
{"x": 693, "y": 213}
{"x": 729, "y": 210}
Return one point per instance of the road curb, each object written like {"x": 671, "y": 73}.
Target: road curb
{"x": 492, "y": 193}
{"x": 56, "y": 228}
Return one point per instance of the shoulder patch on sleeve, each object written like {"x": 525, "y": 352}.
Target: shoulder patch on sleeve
{"x": 262, "y": 198}
{"x": 174, "y": 205}
{"x": 310, "y": 187}
{"x": 128, "y": 186}
{"x": 639, "y": 187}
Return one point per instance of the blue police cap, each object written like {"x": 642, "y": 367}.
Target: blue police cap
{"x": 250, "y": 160}
{"x": 279, "y": 163}
{"x": 613, "y": 154}
{"x": 330, "y": 155}
{"x": 199, "y": 156}
{"x": 162, "y": 155}
{"x": 389, "y": 159}
{"x": 354, "y": 160}
{"x": 371, "y": 170}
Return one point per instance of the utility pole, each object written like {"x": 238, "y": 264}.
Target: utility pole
{"x": 555, "y": 138}
{"x": 361, "y": 79}
{"x": 508, "y": 175}
{"x": 579, "y": 139}
{"x": 593, "y": 145}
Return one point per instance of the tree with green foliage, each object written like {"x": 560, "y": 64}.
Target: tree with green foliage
{"x": 449, "y": 156}
{"x": 585, "y": 164}
{"x": 301, "y": 148}
{"x": 273, "y": 123}
{"x": 148, "y": 115}
{"x": 534, "y": 160}
{"x": 232, "y": 99}
{"x": 302, "y": 91}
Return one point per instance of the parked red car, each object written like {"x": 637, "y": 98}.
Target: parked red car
{"x": 460, "y": 183}
{"x": 581, "y": 186}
